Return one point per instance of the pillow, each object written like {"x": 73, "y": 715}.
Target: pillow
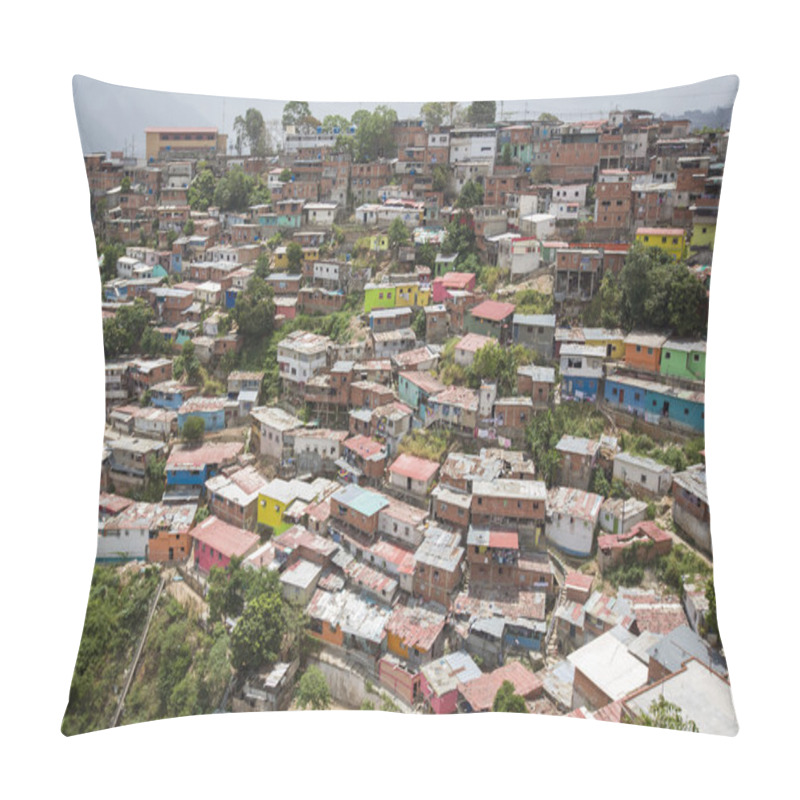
{"x": 404, "y": 411}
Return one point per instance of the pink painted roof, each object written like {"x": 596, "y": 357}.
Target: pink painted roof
{"x": 493, "y": 310}
{"x": 213, "y": 453}
{"x": 504, "y": 539}
{"x": 481, "y": 692}
{"x": 227, "y": 539}
{"x": 364, "y": 446}
{"x": 418, "y": 469}
{"x": 472, "y": 342}
{"x": 114, "y": 503}
{"x": 579, "y": 581}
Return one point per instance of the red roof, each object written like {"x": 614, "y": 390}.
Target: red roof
{"x": 114, "y": 503}
{"x": 226, "y": 539}
{"x": 481, "y": 692}
{"x": 493, "y": 310}
{"x": 456, "y": 280}
{"x": 364, "y": 446}
{"x": 418, "y": 469}
{"x": 504, "y": 539}
{"x": 578, "y": 580}
{"x": 183, "y": 456}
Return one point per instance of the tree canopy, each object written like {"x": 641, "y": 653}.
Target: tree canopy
{"x": 237, "y": 190}
{"x": 312, "y": 690}
{"x": 194, "y": 429}
{"x": 471, "y": 195}
{"x": 297, "y": 114}
{"x": 398, "y": 234}
{"x": 652, "y": 291}
{"x": 374, "y": 136}
{"x": 251, "y": 130}
{"x": 663, "y": 714}
{"x": 482, "y": 112}
{"x": 256, "y": 639}
{"x": 506, "y": 700}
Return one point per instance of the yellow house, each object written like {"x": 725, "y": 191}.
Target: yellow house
{"x": 410, "y": 293}
{"x": 281, "y": 259}
{"x": 670, "y": 240}
{"x": 273, "y": 501}
{"x": 703, "y": 236}
{"x": 183, "y": 142}
{"x": 613, "y": 341}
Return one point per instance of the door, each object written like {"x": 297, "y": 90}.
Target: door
{"x": 665, "y": 409}
{"x": 621, "y": 396}
{"x": 171, "y": 554}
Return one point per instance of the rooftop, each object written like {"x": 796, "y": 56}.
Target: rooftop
{"x": 480, "y": 693}
{"x": 226, "y": 539}
{"x": 492, "y": 310}
{"x": 418, "y": 469}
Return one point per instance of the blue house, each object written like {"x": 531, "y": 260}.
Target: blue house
{"x": 212, "y": 410}
{"x": 415, "y": 388}
{"x": 188, "y": 468}
{"x": 170, "y": 395}
{"x": 524, "y": 634}
{"x": 656, "y": 403}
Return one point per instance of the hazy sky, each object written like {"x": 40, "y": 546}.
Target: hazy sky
{"x": 114, "y": 117}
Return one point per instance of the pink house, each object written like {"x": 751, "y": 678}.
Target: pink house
{"x": 216, "y": 542}
{"x": 440, "y": 679}
{"x": 452, "y": 281}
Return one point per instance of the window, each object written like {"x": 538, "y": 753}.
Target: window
{"x": 644, "y": 478}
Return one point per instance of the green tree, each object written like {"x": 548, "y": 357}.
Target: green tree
{"x": 505, "y": 156}
{"x": 332, "y": 121}
{"x": 254, "y": 311}
{"x": 506, "y": 700}
{"x": 226, "y": 590}
{"x": 294, "y": 255}
{"x": 256, "y": 639}
{"x": 188, "y": 228}
{"x": 664, "y": 714}
{"x": 252, "y": 131}
{"x": 711, "y": 625}
{"x": 374, "y": 136}
{"x": 548, "y": 118}
{"x": 312, "y": 690}
{"x": 193, "y": 430}
{"x": 125, "y": 185}
{"x": 398, "y": 235}
{"x": 236, "y": 190}
{"x": 109, "y": 256}
{"x": 434, "y": 114}
{"x": 187, "y": 364}
{"x": 482, "y": 112}
{"x": 471, "y": 195}
{"x": 440, "y": 178}
{"x": 497, "y": 364}
{"x": 297, "y": 114}
{"x": 460, "y": 239}
{"x": 201, "y": 190}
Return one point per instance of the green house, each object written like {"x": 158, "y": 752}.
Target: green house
{"x": 682, "y": 358}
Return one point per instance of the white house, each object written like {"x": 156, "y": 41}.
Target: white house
{"x": 572, "y": 517}
{"x": 301, "y": 355}
{"x": 540, "y": 226}
{"x": 643, "y": 474}
{"x": 473, "y": 144}
{"x": 320, "y": 214}
{"x": 326, "y": 273}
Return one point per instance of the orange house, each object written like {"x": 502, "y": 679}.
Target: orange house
{"x": 643, "y": 351}
{"x": 170, "y": 539}
{"x": 332, "y": 616}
